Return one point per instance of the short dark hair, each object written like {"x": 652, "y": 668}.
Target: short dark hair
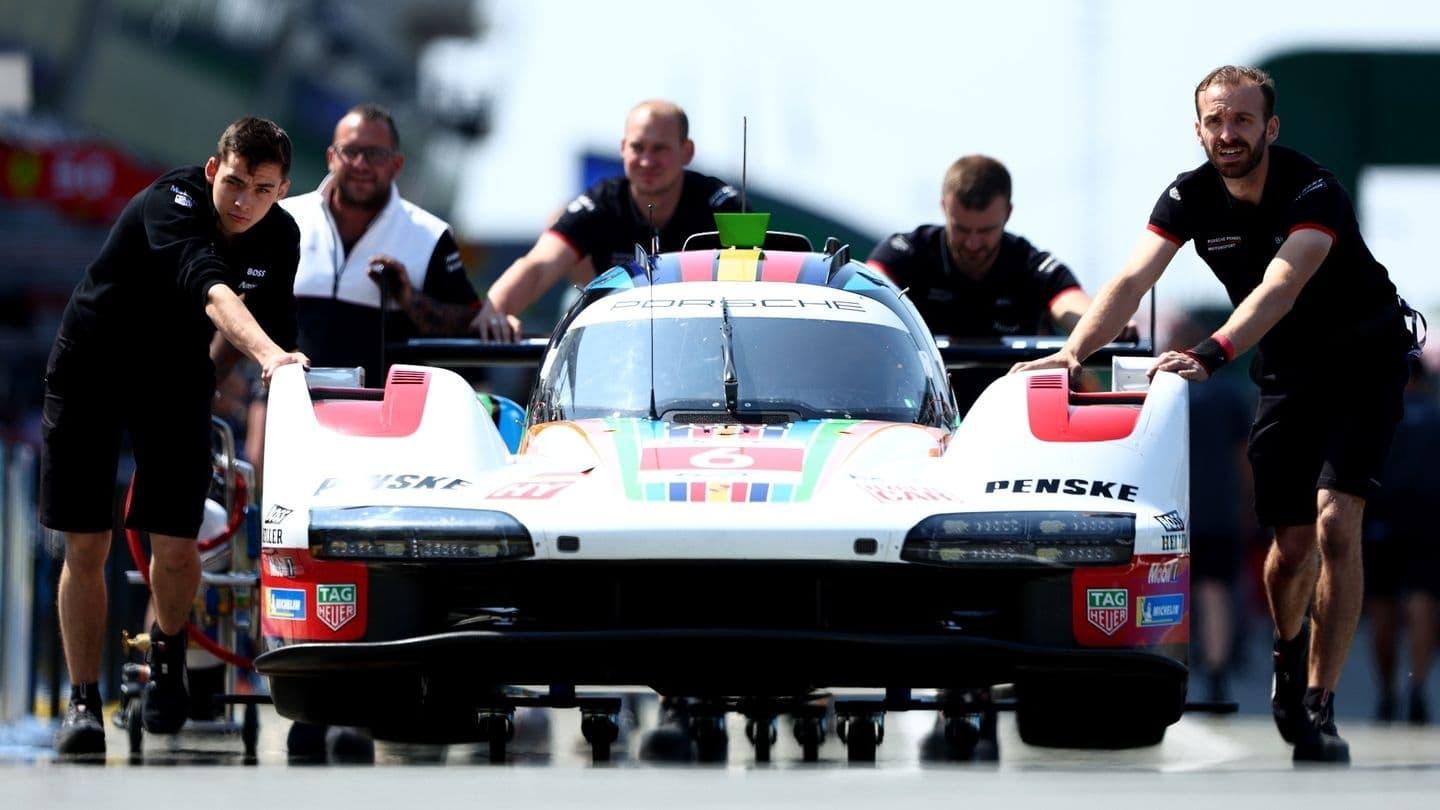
{"x": 1234, "y": 76}
{"x": 976, "y": 180}
{"x": 374, "y": 112}
{"x": 255, "y": 141}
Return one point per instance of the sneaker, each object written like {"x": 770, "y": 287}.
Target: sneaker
{"x": 82, "y": 733}
{"x": 1287, "y": 694}
{"x": 1319, "y": 741}
{"x": 166, "y": 700}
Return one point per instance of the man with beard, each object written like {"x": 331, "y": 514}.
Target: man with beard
{"x": 602, "y": 226}
{"x": 970, "y": 278}
{"x": 1281, "y": 234}
{"x": 356, "y": 235}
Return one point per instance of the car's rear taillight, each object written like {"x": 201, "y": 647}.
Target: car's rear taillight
{"x": 405, "y": 533}
{"x": 1022, "y": 538}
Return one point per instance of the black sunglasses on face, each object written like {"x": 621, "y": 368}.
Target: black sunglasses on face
{"x": 371, "y": 154}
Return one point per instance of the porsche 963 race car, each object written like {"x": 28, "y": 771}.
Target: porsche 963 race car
{"x": 743, "y": 482}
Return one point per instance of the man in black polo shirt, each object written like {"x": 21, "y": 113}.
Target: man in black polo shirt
{"x": 1280, "y": 232}
{"x": 132, "y": 355}
{"x": 601, "y": 227}
{"x": 970, "y": 277}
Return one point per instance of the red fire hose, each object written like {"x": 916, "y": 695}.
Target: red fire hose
{"x": 142, "y": 562}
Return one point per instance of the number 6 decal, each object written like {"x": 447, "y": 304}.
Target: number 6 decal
{"x": 721, "y": 458}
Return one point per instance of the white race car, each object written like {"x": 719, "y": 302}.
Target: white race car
{"x": 743, "y": 483}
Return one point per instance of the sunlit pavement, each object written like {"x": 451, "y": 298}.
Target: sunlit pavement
{"x": 1237, "y": 760}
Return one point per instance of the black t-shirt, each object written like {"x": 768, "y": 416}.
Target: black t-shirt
{"x": 1348, "y": 309}
{"x": 345, "y": 334}
{"x": 1013, "y": 297}
{"x": 605, "y": 224}
{"x": 144, "y": 296}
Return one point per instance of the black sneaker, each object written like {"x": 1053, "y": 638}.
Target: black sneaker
{"x": 1319, "y": 741}
{"x": 82, "y": 734}
{"x": 1287, "y": 693}
{"x": 166, "y": 700}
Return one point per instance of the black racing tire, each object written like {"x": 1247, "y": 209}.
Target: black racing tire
{"x": 1109, "y": 711}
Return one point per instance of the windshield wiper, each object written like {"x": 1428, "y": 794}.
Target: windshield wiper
{"x": 731, "y": 381}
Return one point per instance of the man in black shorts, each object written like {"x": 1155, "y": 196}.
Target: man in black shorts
{"x": 970, "y": 278}
{"x": 601, "y": 227}
{"x": 132, "y": 355}
{"x": 1280, "y": 232}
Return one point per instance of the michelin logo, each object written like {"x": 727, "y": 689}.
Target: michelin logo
{"x": 285, "y": 604}
{"x": 1161, "y": 611}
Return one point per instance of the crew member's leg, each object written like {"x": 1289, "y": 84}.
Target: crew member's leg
{"x": 1340, "y": 593}
{"x": 81, "y": 602}
{"x": 174, "y": 579}
{"x": 1290, "y": 570}
{"x": 173, "y": 473}
{"x": 1420, "y": 609}
{"x": 1286, "y": 462}
{"x": 79, "y": 453}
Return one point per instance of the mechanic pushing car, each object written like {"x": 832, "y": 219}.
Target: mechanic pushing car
{"x": 970, "y": 278}
{"x": 602, "y": 226}
{"x": 131, "y": 356}
{"x": 1281, "y": 234}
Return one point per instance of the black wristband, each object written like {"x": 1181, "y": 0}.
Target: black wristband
{"x": 1210, "y": 354}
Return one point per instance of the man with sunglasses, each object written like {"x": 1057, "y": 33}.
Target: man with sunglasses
{"x": 359, "y": 238}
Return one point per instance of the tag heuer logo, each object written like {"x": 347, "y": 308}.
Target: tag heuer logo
{"x": 335, "y": 604}
{"x": 1107, "y": 608}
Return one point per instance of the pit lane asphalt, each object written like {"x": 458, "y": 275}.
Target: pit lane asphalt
{"x": 1229, "y": 762}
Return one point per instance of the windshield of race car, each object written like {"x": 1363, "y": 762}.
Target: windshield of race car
{"x": 797, "y": 351}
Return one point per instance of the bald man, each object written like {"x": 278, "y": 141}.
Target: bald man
{"x": 601, "y": 227}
